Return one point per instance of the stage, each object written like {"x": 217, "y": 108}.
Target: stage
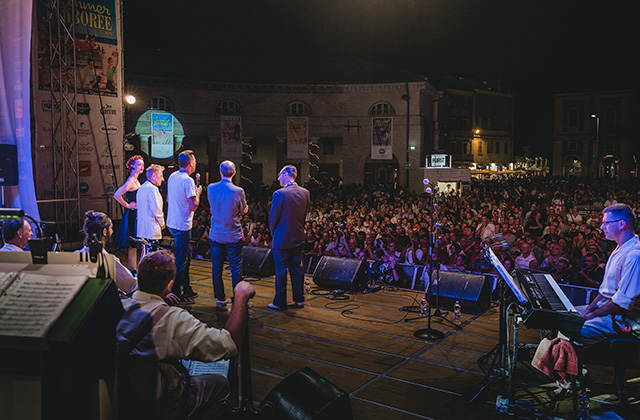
{"x": 364, "y": 346}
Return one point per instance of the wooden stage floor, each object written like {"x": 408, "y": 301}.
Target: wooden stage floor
{"x": 364, "y": 346}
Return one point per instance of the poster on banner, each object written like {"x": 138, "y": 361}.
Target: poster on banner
{"x": 382, "y": 138}
{"x": 231, "y": 136}
{"x": 297, "y": 138}
{"x": 98, "y": 80}
{"x": 161, "y": 135}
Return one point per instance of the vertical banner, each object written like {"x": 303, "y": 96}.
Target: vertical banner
{"x": 231, "y": 136}
{"x": 382, "y": 138}
{"x": 15, "y": 115}
{"x": 99, "y": 79}
{"x": 161, "y": 135}
{"x": 297, "y": 138}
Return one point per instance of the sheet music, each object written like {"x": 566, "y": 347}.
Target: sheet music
{"x": 31, "y": 303}
{"x": 195, "y": 367}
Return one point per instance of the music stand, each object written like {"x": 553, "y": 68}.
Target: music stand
{"x": 500, "y": 350}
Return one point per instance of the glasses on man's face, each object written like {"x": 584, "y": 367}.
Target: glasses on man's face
{"x": 609, "y": 221}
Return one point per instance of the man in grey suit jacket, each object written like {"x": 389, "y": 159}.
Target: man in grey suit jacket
{"x": 289, "y": 207}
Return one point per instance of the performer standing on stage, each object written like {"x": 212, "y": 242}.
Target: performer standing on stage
{"x": 183, "y": 197}
{"x": 289, "y": 207}
{"x": 150, "y": 220}
{"x": 228, "y": 204}
{"x": 619, "y": 294}
{"x": 126, "y": 196}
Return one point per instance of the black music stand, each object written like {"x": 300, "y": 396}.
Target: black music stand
{"x": 499, "y": 352}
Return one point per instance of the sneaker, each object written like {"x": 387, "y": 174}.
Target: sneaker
{"x": 190, "y": 294}
{"x": 299, "y": 304}
{"x": 185, "y": 301}
{"x": 222, "y": 303}
{"x": 274, "y": 307}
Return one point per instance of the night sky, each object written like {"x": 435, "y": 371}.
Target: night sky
{"x": 536, "y": 47}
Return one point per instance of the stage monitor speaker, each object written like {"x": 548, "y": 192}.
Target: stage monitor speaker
{"x": 341, "y": 273}
{"x": 8, "y": 165}
{"x": 471, "y": 290}
{"x": 257, "y": 262}
{"x": 306, "y": 395}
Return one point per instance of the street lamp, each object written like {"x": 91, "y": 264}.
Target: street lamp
{"x": 595, "y": 152}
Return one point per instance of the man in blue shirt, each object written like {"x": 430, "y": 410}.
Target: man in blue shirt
{"x": 228, "y": 205}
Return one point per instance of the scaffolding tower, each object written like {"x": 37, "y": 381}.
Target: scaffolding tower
{"x": 64, "y": 116}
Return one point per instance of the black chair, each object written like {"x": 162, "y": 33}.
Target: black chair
{"x": 149, "y": 389}
{"x": 619, "y": 352}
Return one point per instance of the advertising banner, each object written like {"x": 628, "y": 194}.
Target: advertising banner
{"x": 98, "y": 80}
{"x": 161, "y": 135}
{"x": 382, "y": 138}
{"x": 297, "y": 138}
{"x": 231, "y": 136}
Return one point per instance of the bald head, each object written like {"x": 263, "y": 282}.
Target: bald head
{"x": 227, "y": 169}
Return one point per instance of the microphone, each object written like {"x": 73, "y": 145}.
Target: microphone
{"x": 425, "y": 181}
{"x": 197, "y": 179}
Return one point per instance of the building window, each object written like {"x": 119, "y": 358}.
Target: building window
{"x": 506, "y": 148}
{"x": 161, "y": 103}
{"x": 572, "y": 146}
{"x": 327, "y": 146}
{"x": 453, "y": 147}
{"x": 489, "y": 147}
{"x": 497, "y": 147}
{"x": 465, "y": 124}
{"x": 381, "y": 108}
{"x": 298, "y": 109}
{"x": 479, "y": 147}
{"x": 229, "y": 108}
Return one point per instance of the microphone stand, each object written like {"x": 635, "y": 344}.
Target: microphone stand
{"x": 433, "y": 267}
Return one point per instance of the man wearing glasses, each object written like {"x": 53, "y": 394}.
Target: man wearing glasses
{"x": 618, "y": 296}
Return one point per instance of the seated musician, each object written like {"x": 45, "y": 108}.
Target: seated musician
{"x": 150, "y": 328}
{"x": 619, "y": 294}
{"x": 15, "y": 234}
{"x": 99, "y": 225}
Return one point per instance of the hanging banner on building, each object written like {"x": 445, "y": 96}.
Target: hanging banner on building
{"x": 161, "y": 135}
{"x": 231, "y": 136}
{"x": 382, "y": 138}
{"x": 297, "y": 138}
{"x": 98, "y": 80}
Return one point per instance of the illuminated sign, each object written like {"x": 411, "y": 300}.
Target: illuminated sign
{"x": 438, "y": 161}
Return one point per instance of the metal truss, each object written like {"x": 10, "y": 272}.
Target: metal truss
{"x": 64, "y": 113}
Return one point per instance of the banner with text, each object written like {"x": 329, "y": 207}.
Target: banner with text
{"x": 231, "y": 136}
{"x": 98, "y": 80}
{"x": 297, "y": 138}
{"x": 382, "y": 138}
{"x": 161, "y": 135}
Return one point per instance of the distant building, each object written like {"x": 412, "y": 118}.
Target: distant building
{"x": 595, "y": 134}
{"x": 480, "y": 125}
{"x": 338, "y": 98}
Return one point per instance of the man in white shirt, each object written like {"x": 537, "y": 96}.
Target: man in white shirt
{"x": 150, "y": 220}
{"x": 618, "y": 297}
{"x": 183, "y": 198}
{"x": 152, "y": 330}
{"x": 485, "y": 229}
{"x": 15, "y": 234}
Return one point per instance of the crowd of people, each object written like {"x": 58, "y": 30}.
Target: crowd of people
{"x": 552, "y": 226}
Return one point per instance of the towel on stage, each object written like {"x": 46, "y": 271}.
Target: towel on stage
{"x": 557, "y": 359}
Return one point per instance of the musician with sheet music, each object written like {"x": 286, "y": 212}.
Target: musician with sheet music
{"x": 619, "y": 294}
{"x": 153, "y": 330}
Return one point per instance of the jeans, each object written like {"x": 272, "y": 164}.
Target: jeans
{"x": 288, "y": 260}
{"x": 233, "y": 252}
{"x": 181, "y": 242}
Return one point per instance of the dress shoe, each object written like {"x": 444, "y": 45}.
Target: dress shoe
{"x": 190, "y": 294}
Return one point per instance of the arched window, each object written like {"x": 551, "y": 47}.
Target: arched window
{"x": 381, "y": 108}
{"x": 297, "y": 109}
{"x": 161, "y": 103}
{"x": 229, "y": 108}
